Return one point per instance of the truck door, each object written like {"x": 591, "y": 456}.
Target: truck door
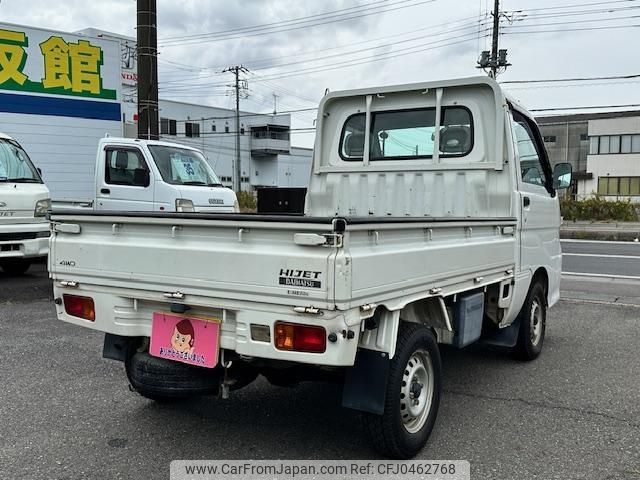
{"x": 540, "y": 212}
{"x": 125, "y": 183}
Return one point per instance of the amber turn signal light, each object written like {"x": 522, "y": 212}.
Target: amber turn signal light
{"x": 81, "y": 307}
{"x": 300, "y": 338}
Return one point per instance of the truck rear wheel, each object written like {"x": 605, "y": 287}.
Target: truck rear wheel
{"x": 533, "y": 320}
{"x": 15, "y": 266}
{"x": 412, "y": 395}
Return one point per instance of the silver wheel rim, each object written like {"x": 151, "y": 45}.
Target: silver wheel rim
{"x": 535, "y": 322}
{"x": 416, "y": 393}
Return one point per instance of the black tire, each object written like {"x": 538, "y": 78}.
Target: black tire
{"x": 15, "y": 266}
{"x": 167, "y": 381}
{"x": 533, "y": 322}
{"x": 390, "y": 435}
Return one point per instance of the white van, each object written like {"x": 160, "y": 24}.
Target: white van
{"x": 153, "y": 176}
{"x": 24, "y": 202}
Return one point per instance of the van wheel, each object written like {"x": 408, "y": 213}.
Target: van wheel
{"x": 412, "y": 396}
{"x": 533, "y": 321}
{"x": 15, "y": 266}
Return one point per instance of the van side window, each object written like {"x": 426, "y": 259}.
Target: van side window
{"x": 530, "y": 162}
{"x": 126, "y": 166}
{"x": 408, "y": 134}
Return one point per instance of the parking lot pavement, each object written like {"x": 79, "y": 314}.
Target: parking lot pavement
{"x": 572, "y": 414}
{"x": 34, "y": 285}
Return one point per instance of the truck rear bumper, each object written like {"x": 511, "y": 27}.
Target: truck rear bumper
{"x": 132, "y": 317}
{"x": 29, "y": 240}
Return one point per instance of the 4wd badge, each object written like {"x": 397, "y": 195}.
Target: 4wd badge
{"x": 300, "y": 278}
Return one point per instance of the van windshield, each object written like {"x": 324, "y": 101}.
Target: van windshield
{"x": 181, "y": 166}
{"x": 15, "y": 165}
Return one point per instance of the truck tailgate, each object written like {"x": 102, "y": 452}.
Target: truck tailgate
{"x": 223, "y": 258}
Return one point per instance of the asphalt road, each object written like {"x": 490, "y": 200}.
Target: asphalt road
{"x": 601, "y": 258}
{"x": 572, "y": 414}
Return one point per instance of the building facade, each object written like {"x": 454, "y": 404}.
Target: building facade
{"x": 587, "y": 141}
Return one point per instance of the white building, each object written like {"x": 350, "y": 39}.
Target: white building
{"x": 613, "y": 159}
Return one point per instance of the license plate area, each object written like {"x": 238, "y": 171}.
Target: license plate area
{"x": 186, "y": 339}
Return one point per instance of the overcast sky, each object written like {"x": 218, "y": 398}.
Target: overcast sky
{"x": 384, "y": 42}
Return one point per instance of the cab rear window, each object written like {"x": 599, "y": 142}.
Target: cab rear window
{"x": 408, "y": 134}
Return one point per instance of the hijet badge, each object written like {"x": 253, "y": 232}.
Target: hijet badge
{"x": 300, "y": 278}
{"x": 185, "y": 339}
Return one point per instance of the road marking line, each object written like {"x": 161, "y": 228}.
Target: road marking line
{"x": 601, "y": 275}
{"x": 571, "y": 240}
{"x": 637, "y": 257}
{"x": 596, "y": 302}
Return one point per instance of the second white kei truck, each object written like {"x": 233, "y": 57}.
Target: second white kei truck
{"x": 431, "y": 218}
{"x": 24, "y": 202}
{"x": 153, "y": 176}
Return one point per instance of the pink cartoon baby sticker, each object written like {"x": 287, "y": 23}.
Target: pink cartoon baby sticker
{"x": 187, "y": 340}
{"x": 183, "y": 337}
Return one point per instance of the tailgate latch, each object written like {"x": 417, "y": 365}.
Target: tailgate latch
{"x": 314, "y": 239}
{"x": 177, "y": 295}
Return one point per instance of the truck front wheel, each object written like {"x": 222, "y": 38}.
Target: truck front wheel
{"x": 412, "y": 395}
{"x": 15, "y": 266}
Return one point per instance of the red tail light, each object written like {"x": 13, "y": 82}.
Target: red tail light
{"x": 81, "y": 307}
{"x": 300, "y": 338}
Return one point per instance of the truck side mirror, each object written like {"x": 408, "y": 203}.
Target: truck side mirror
{"x": 562, "y": 176}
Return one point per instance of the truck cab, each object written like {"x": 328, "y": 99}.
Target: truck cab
{"x": 24, "y": 202}
{"x": 153, "y": 176}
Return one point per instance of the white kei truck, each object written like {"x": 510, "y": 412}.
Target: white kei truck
{"x": 431, "y": 218}
{"x": 153, "y": 176}
{"x": 24, "y": 201}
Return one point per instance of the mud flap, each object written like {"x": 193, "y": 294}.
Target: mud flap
{"x": 116, "y": 347}
{"x": 505, "y": 337}
{"x": 365, "y": 383}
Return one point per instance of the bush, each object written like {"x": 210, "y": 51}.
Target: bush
{"x": 247, "y": 201}
{"x": 599, "y": 209}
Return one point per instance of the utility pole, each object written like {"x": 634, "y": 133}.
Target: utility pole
{"x": 275, "y": 103}
{"x": 147, "y": 50}
{"x": 494, "y": 38}
{"x": 237, "y": 171}
{"x": 495, "y": 59}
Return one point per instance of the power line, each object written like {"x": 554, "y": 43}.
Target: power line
{"x": 264, "y": 25}
{"x": 590, "y": 107}
{"x": 338, "y": 18}
{"x": 352, "y": 52}
{"x": 354, "y": 62}
{"x": 584, "y": 29}
{"x": 578, "y": 79}
{"x": 466, "y": 21}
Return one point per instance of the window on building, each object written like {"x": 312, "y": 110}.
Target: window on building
{"x": 584, "y": 137}
{"x": 614, "y": 144}
{"x": 619, "y": 185}
{"x": 168, "y": 126}
{"x": 192, "y": 129}
{"x": 635, "y": 143}
{"x": 604, "y": 145}
{"x": 625, "y": 144}
{"x": 244, "y": 179}
{"x": 593, "y": 146}
{"x": 242, "y": 130}
{"x": 549, "y": 139}
{"x": 226, "y": 128}
{"x": 213, "y": 127}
